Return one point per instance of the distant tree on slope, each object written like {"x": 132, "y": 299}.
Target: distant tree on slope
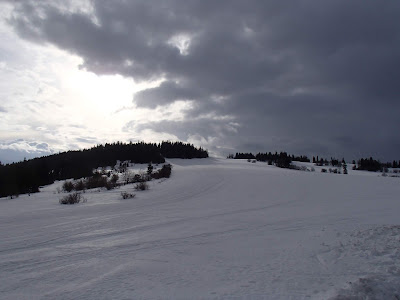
{"x": 344, "y": 165}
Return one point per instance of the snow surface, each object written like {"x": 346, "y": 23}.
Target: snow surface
{"x": 217, "y": 229}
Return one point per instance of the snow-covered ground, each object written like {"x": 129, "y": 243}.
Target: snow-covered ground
{"x": 217, "y": 228}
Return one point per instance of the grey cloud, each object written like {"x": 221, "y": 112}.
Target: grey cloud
{"x": 184, "y": 129}
{"x": 17, "y": 150}
{"x": 87, "y": 140}
{"x": 296, "y": 76}
{"x": 11, "y": 155}
{"x": 2, "y": 109}
{"x": 79, "y": 126}
{"x": 166, "y": 93}
{"x": 40, "y": 146}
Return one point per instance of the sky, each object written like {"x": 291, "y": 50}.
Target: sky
{"x": 306, "y": 77}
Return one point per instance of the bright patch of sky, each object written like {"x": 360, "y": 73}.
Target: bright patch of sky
{"x": 182, "y": 42}
{"x": 47, "y": 98}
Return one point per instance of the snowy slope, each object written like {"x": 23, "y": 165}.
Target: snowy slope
{"x": 216, "y": 229}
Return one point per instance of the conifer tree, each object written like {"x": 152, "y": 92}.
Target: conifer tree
{"x": 149, "y": 169}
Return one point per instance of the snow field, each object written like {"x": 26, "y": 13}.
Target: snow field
{"x": 217, "y": 229}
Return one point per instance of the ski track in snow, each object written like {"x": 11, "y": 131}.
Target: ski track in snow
{"x": 217, "y": 229}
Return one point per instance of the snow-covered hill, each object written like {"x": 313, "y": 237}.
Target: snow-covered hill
{"x": 216, "y": 229}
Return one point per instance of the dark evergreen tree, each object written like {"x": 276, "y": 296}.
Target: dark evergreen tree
{"x": 244, "y": 156}
{"x": 334, "y": 162}
{"x": 149, "y": 169}
{"x": 369, "y": 165}
{"x": 282, "y": 160}
{"x": 181, "y": 150}
{"x": 344, "y": 165}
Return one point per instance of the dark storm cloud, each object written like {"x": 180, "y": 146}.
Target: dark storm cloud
{"x": 295, "y": 75}
{"x": 166, "y": 93}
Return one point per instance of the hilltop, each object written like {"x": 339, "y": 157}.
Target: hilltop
{"x": 28, "y": 175}
{"x": 217, "y": 228}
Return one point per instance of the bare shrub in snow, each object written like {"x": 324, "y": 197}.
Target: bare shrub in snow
{"x": 164, "y": 172}
{"x": 79, "y": 185}
{"x": 68, "y": 186}
{"x": 114, "y": 179}
{"x": 299, "y": 168}
{"x": 96, "y": 181}
{"x": 323, "y": 170}
{"x": 126, "y": 195}
{"x": 73, "y": 198}
{"x": 141, "y": 186}
{"x": 129, "y": 177}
